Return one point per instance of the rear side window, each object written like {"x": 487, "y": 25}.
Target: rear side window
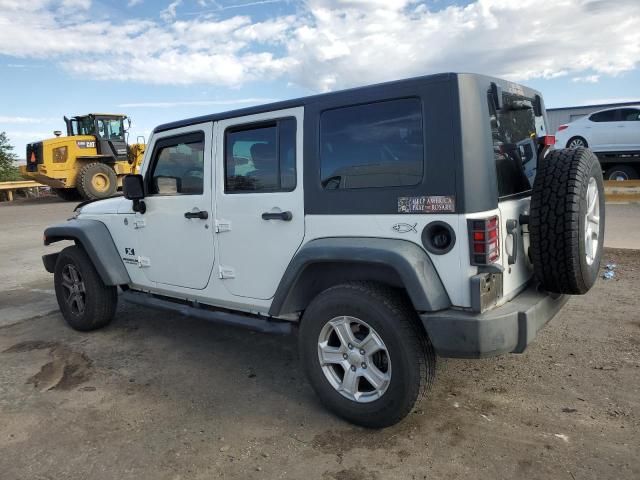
{"x": 261, "y": 158}
{"x": 373, "y": 145}
{"x": 513, "y": 131}
{"x": 606, "y": 116}
{"x": 178, "y": 166}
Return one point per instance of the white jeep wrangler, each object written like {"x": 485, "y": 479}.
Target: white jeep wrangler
{"x": 391, "y": 224}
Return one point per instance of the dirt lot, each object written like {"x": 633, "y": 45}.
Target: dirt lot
{"x": 160, "y": 396}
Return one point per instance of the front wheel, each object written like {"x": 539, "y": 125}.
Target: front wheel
{"x": 85, "y": 301}
{"x": 97, "y": 180}
{"x": 365, "y": 354}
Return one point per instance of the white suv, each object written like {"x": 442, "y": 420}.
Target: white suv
{"x": 388, "y": 224}
{"x": 613, "y": 134}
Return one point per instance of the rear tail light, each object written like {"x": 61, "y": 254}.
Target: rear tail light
{"x": 484, "y": 240}
{"x": 562, "y": 127}
{"x": 549, "y": 140}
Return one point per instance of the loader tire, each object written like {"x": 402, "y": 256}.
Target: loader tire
{"x": 67, "y": 194}
{"x": 97, "y": 180}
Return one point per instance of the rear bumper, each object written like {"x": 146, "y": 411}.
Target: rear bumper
{"x": 508, "y": 328}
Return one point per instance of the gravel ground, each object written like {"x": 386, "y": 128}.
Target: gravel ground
{"x": 159, "y": 396}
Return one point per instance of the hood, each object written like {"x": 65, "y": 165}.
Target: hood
{"x": 106, "y": 206}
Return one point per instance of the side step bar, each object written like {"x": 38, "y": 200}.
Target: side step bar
{"x": 205, "y": 312}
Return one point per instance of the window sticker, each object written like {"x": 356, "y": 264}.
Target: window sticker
{"x": 427, "y": 204}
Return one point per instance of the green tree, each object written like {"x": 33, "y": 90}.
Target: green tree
{"x": 8, "y": 169}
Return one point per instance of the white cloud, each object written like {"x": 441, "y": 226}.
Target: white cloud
{"x": 133, "y": 3}
{"x": 331, "y": 44}
{"x": 586, "y": 79}
{"x": 169, "y": 13}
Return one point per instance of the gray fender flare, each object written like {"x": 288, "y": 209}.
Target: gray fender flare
{"x": 408, "y": 261}
{"x": 96, "y": 240}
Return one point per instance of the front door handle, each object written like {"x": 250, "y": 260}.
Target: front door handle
{"x": 202, "y": 215}
{"x": 285, "y": 216}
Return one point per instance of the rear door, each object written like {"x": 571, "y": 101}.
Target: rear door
{"x": 606, "y": 131}
{"x": 630, "y": 119}
{"x": 259, "y": 200}
{"x": 514, "y": 130}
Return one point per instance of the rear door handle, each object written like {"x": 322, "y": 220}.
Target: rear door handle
{"x": 202, "y": 215}
{"x": 285, "y": 216}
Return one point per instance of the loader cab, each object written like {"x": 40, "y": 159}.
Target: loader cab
{"x": 109, "y": 131}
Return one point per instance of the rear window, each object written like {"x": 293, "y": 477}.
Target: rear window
{"x": 606, "y": 116}
{"x": 513, "y": 130}
{"x": 373, "y": 145}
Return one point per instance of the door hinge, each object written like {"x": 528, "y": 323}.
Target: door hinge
{"x": 144, "y": 262}
{"x": 223, "y": 226}
{"x": 226, "y": 272}
{"x": 139, "y": 223}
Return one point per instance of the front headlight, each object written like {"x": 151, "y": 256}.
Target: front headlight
{"x": 60, "y": 155}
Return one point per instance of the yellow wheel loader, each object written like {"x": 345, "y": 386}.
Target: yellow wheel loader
{"x": 89, "y": 162}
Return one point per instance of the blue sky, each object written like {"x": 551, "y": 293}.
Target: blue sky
{"x": 159, "y": 61}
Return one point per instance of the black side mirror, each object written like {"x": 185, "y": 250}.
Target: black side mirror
{"x": 133, "y": 189}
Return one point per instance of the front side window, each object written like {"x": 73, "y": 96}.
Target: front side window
{"x": 178, "y": 166}
{"x": 630, "y": 115}
{"x": 513, "y": 131}
{"x": 84, "y": 126}
{"x": 606, "y": 116}
{"x": 261, "y": 157}
{"x": 374, "y": 145}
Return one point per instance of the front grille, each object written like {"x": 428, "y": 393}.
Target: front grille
{"x": 34, "y": 156}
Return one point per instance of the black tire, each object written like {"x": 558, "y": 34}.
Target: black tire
{"x": 621, "y": 172}
{"x": 99, "y": 300}
{"x": 557, "y": 221}
{"x": 67, "y": 194}
{"x": 412, "y": 357}
{"x": 96, "y": 180}
{"x": 577, "y": 142}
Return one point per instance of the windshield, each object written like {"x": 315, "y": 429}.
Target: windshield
{"x": 513, "y": 131}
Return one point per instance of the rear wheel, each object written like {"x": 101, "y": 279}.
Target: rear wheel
{"x": 365, "y": 354}
{"x": 97, "y": 180}
{"x": 621, "y": 172}
{"x": 67, "y": 194}
{"x": 85, "y": 301}
{"x": 577, "y": 142}
{"x": 567, "y": 221}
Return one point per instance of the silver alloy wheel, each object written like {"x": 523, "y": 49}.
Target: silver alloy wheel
{"x": 354, "y": 359}
{"x": 576, "y": 143}
{"x": 74, "y": 291}
{"x": 592, "y": 222}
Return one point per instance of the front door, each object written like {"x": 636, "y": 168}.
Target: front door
{"x": 260, "y": 204}
{"x": 175, "y": 234}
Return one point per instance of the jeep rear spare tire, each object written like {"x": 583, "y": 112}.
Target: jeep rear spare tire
{"x": 567, "y": 221}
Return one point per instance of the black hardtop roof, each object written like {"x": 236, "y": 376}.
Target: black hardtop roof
{"x": 298, "y": 102}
